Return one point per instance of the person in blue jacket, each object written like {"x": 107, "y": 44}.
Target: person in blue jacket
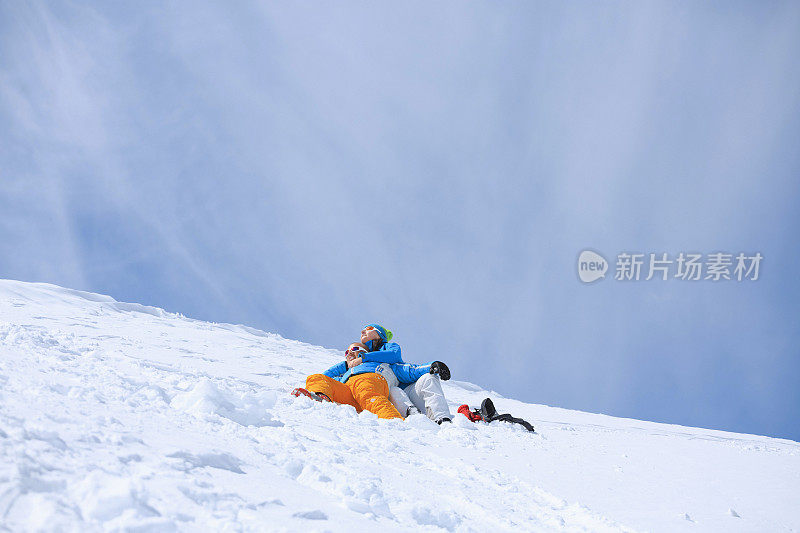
{"x": 412, "y": 388}
{"x": 377, "y": 351}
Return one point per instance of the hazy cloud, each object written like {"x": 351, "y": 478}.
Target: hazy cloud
{"x": 308, "y": 168}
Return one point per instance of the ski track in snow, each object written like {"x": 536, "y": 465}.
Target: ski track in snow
{"x": 119, "y": 416}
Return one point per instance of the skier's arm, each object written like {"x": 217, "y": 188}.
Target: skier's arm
{"x": 336, "y": 370}
{"x": 409, "y": 373}
{"x": 389, "y": 353}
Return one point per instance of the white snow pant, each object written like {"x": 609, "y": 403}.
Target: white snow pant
{"x": 425, "y": 394}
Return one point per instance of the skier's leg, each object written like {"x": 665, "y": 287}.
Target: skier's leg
{"x": 427, "y": 395}
{"x": 396, "y": 395}
{"x": 401, "y": 401}
{"x": 335, "y": 390}
{"x": 371, "y": 393}
{"x": 415, "y": 398}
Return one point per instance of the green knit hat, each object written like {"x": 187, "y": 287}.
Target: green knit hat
{"x": 384, "y": 333}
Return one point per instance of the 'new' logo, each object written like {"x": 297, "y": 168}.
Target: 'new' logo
{"x": 591, "y": 266}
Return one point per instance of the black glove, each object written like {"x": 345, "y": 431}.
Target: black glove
{"x": 437, "y": 367}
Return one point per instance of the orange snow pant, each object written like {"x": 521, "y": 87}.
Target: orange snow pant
{"x": 363, "y": 391}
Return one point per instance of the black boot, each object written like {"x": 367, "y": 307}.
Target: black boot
{"x": 488, "y": 411}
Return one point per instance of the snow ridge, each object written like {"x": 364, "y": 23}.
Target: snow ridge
{"x": 119, "y": 416}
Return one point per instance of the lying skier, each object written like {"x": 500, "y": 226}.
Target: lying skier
{"x": 412, "y": 388}
{"x": 354, "y": 382}
{"x": 362, "y": 380}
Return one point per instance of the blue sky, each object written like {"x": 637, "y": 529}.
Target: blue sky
{"x": 308, "y": 168}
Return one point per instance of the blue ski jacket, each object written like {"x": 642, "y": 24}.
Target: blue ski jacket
{"x": 409, "y": 373}
{"x": 388, "y": 353}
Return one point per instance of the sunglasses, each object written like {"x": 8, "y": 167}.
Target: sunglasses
{"x": 355, "y": 349}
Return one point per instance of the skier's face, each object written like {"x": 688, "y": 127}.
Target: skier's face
{"x": 355, "y": 350}
{"x": 369, "y": 334}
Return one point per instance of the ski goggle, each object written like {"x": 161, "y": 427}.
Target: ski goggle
{"x": 354, "y": 349}
{"x": 382, "y": 332}
{"x": 371, "y": 328}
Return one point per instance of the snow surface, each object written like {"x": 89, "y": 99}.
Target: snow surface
{"x": 118, "y": 416}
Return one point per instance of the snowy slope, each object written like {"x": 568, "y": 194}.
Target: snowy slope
{"x": 122, "y": 416}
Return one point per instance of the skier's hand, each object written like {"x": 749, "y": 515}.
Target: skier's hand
{"x": 437, "y": 367}
{"x": 352, "y": 362}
